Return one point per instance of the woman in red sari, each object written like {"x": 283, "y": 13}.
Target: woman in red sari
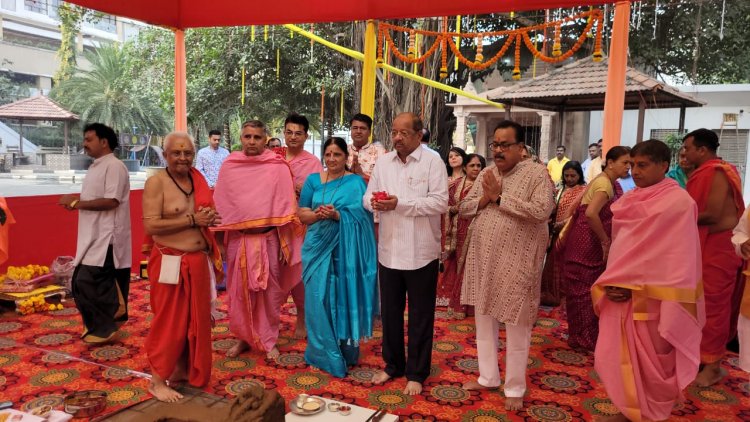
{"x": 588, "y": 246}
{"x": 454, "y": 235}
{"x": 553, "y": 288}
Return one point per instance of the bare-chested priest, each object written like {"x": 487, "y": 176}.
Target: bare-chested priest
{"x": 184, "y": 261}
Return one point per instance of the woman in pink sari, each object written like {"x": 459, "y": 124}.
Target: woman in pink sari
{"x": 566, "y": 198}
{"x": 588, "y": 246}
{"x": 455, "y": 229}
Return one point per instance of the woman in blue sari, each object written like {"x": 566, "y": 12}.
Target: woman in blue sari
{"x": 339, "y": 264}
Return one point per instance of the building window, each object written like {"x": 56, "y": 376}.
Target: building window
{"x": 45, "y": 7}
{"x": 8, "y": 5}
{"x": 37, "y": 6}
{"x": 104, "y": 23}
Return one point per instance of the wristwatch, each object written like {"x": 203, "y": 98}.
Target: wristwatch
{"x": 499, "y": 197}
{"x": 74, "y": 203}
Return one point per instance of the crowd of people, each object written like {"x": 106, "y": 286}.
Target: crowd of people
{"x": 648, "y": 280}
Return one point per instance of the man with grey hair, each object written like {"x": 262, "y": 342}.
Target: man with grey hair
{"x": 409, "y": 188}
{"x": 184, "y": 260}
{"x": 256, "y": 198}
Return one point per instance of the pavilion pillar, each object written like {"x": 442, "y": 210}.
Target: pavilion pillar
{"x": 641, "y": 118}
{"x": 481, "y": 141}
{"x": 66, "y": 134}
{"x": 20, "y": 138}
{"x": 180, "y": 86}
{"x": 369, "y": 68}
{"x": 459, "y": 137}
{"x": 545, "y": 135}
{"x": 682, "y": 120}
{"x": 614, "y": 99}
{"x": 507, "y": 111}
{"x": 561, "y": 127}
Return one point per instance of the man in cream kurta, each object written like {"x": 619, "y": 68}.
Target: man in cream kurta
{"x": 503, "y": 259}
{"x": 103, "y": 256}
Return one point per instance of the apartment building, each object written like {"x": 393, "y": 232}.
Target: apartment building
{"x": 30, "y": 38}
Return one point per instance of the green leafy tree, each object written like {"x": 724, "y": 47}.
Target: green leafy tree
{"x": 684, "y": 40}
{"x": 105, "y": 94}
{"x": 71, "y": 17}
{"x": 215, "y": 61}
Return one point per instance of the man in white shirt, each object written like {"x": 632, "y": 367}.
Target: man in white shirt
{"x": 416, "y": 184}
{"x": 101, "y": 279}
{"x": 210, "y": 158}
{"x": 595, "y": 166}
{"x": 426, "y": 141}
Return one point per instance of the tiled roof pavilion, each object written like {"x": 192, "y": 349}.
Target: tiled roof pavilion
{"x": 38, "y": 107}
{"x": 581, "y": 85}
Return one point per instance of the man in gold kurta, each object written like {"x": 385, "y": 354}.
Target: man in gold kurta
{"x": 503, "y": 259}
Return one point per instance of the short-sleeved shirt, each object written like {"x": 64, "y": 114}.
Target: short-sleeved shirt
{"x": 209, "y": 161}
{"x": 366, "y": 156}
{"x": 599, "y": 184}
{"x": 106, "y": 178}
{"x": 555, "y": 168}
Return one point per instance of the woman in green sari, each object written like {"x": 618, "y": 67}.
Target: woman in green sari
{"x": 339, "y": 263}
{"x": 681, "y": 172}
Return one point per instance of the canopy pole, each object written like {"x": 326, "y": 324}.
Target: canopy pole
{"x": 367, "y": 99}
{"x": 180, "y": 75}
{"x": 408, "y": 75}
{"x": 614, "y": 99}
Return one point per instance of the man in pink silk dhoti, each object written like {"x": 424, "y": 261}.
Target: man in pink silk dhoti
{"x": 649, "y": 299}
{"x": 255, "y": 191}
{"x": 302, "y": 164}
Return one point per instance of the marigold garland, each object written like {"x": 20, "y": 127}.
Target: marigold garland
{"x": 446, "y": 40}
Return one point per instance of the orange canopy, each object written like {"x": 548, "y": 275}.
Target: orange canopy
{"x": 181, "y": 14}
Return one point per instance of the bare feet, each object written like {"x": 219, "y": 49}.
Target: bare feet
{"x": 381, "y": 377}
{"x": 238, "y": 348}
{"x": 412, "y": 388}
{"x": 710, "y": 375}
{"x": 474, "y": 385}
{"x": 513, "y": 403}
{"x": 161, "y": 391}
{"x": 273, "y": 353}
{"x": 300, "y": 331}
{"x": 178, "y": 377}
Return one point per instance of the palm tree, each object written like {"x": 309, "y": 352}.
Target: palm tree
{"x": 107, "y": 95}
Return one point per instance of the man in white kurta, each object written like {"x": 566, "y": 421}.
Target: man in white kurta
{"x": 503, "y": 259}
{"x": 103, "y": 255}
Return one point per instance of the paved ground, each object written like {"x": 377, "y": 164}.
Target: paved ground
{"x": 192, "y": 396}
{"x": 45, "y": 185}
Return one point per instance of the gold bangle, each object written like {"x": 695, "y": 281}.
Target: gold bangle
{"x": 74, "y": 203}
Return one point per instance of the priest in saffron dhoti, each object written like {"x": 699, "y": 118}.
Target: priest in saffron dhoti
{"x": 183, "y": 266}
{"x": 255, "y": 196}
{"x": 650, "y": 299}
{"x": 716, "y": 187}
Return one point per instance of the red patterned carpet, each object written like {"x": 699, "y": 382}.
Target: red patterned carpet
{"x": 41, "y": 360}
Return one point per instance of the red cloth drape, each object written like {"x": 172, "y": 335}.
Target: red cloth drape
{"x": 45, "y": 230}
